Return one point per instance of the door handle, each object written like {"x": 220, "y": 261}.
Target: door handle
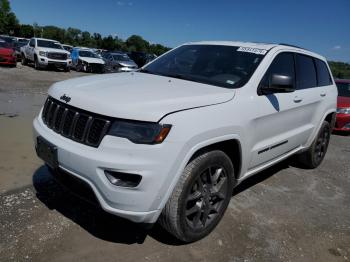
{"x": 323, "y": 94}
{"x": 297, "y": 99}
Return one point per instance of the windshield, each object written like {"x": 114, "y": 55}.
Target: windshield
{"x": 87, "y": 54}
{"x": 225, "y": 66}
{"x": 343, "y": 89}
{"x": 121, "y": 58}
{"x": 22, "y": 43}
{"x": 49, "y": 44}
{"x": 4, "y": 45}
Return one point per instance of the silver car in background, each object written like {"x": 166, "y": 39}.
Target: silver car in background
{"x": 118, "y": 62}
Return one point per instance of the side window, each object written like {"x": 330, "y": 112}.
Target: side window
{"x": 283, "y": 64}
{"x": 32, "y": 43}
{"x": 324, "y": 77}
{"x": 306, "y": 72}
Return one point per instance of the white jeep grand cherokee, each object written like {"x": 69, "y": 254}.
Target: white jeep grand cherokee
{"x": 171, "y": 141}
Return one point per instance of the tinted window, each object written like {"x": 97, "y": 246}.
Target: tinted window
{"x": 324, "y": 77}
{"x": 49, "y": 44}
{"x": 224, "y": 66}
{"x": 283, "y": 64}
{"x": 4, "y": 45}
{"x": 87, "y": 54}
{"x": 306, "y": 72}
{"x": 343, "y": 89}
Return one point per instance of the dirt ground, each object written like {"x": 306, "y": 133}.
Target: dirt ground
{"x": 282, "y": 214}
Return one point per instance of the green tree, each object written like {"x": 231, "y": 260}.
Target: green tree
{"x": 340, "y": 69}
{"x": 108, "y": 43}
{"x": 53, "y": 32}
{"x": 26, "y": 31}
{"x": 8, "y": 20}
{"x": 137, "y": 43}
{"x": 72, "y": 36}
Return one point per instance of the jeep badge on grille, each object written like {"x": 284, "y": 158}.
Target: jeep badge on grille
{"x": 65, "y": 98}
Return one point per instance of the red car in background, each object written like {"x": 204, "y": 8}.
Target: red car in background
{"x": 7, "y": 54}
{"x": 343, "y": 105}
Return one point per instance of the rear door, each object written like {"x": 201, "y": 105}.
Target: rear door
{"x": 308, "y": 92}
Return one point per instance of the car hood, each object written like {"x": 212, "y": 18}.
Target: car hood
{"x": 127, "y": 63}
{"x": 92, "y": 60}
{"x": 343, "y": 101}
{"x": 138, "y": 96}
{"x": 53, "y": 50}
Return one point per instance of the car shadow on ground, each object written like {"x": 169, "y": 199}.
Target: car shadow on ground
{"x": 341, "y": 133}
{"x": 106, "y": 226}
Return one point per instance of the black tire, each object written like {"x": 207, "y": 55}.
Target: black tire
{"x": 79, "y": 67}
{"x": 67, "y": 69}
{"x": 315, "y": 154}
{"x": 200, "y": 197}
{"x": 36, "y": 64}
{"x": 24, "y": 60}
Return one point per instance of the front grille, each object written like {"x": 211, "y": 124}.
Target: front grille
{"x": 57, "y": 56}
{"x": 74, "y": 123}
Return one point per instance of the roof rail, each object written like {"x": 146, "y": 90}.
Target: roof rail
{"x": 292, "y": 45}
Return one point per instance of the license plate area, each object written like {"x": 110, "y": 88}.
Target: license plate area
{"x": 47, "y": 152}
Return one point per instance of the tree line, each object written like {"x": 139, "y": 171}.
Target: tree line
{"x": 10, "y": 25}
{"x": 340, "y": 70}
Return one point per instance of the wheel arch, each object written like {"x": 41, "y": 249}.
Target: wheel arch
{"x": 231, "y": 147}
{"x": 331, "y": 118}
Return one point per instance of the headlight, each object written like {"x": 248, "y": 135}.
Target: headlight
{"x": 343, "y": 110}
{"x": 69, "y": 56}
{"x": 140, "y": 132}
{"x": 42, "y": 53}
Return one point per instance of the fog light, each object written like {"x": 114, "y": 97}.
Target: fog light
{"x": 347, "y": 126}
{"x": 123, "y": 179}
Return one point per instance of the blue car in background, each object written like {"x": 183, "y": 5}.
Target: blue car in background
{"x": 85, "y": 60}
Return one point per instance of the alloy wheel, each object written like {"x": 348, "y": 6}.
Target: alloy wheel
{"x": 206, "y": 197}
{"x": 321, "y": 145}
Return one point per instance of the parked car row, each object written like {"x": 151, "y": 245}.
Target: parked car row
{"x": 44, "y": 53}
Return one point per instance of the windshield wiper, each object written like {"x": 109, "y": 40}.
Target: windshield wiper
{"x": 179, "y": 76}
{"x": 144, "y": 71}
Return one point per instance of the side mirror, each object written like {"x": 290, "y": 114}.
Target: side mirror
{"x": 279, "y": 84}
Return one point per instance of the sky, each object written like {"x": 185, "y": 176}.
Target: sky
{"x": 318, "y": 25}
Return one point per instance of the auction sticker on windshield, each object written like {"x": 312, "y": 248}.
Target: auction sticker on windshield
{"x": 257, "y": 51}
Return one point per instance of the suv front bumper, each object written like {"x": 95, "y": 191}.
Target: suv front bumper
{"x": 44, "y": 61}
{"x": 154, "y": 163}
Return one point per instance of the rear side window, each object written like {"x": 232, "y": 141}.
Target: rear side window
{"x": 283, "y": 64}
{"x": 324, "y": 77}
{"x": 306, "y": 72}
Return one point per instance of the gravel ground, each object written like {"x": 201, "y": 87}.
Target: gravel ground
{"x": 282, "y": 214}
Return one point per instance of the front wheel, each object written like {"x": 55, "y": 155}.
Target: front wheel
{"x": 314, "y": 156}
{"x": 36, "y": 64}
{"x": 24, "y": 60}
{"x": 200, "y": 197}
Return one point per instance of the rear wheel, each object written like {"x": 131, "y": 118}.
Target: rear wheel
{"x": 200, "y": 197}
{"x": 314, "y": 156}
